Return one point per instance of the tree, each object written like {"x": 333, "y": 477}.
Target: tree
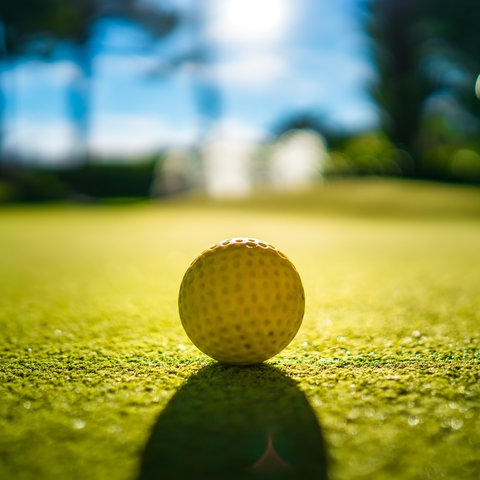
{"x": 425, "y": 50}
{"x": 30, "y": 24}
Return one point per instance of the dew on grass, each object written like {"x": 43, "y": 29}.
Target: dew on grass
{"x": 78, "y": 424}
{"x": 413, "y": 421}
{"x": 456, "y": 423}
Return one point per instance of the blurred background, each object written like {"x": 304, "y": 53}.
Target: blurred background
{"x": 152, "y": 98}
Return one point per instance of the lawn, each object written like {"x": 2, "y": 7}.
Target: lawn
{"x": 99, "y": 381}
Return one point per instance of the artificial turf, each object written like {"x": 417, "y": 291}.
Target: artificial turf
{"x": 98, "y": 380}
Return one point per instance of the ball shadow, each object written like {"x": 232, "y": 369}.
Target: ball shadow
{"x": 236, "y": 423}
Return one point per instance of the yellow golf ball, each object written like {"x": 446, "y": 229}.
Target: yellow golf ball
{"x": 241, "y": 301}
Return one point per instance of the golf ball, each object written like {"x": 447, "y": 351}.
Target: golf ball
{"x": 241, "y": 301}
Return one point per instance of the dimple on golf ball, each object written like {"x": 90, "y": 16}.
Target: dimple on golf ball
{"x": 241, "y": 301}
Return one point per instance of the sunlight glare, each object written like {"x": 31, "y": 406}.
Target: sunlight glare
{"x": 249, "y": 21}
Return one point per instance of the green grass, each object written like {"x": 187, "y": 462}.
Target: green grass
{"x": 98, "y": 380}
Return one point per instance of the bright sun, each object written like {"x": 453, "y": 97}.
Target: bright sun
{"x": 249, "y": 21}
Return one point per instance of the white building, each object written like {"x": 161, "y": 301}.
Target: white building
{"x": 297, "y": 159}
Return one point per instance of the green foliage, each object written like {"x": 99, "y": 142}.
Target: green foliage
{"x": 368, "y": 153}
{"x": 426, "y": 55}
{"x": 30, "y": 185}
{"x": 383, "y": 379}
{"x": 110, "y": 180}
{"x": 26, "y": 20}
{"x": 90, "y": 182}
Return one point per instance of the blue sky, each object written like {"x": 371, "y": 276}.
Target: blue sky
{"x": 268, "y": 58}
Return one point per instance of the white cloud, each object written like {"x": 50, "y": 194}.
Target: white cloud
{"x": 31, "y": 73}
{"x": 119, "y": 136}
{"x": 248, "y": 22}
{"x": 251, "y": 71}
{"x": 233, "y": 129}
{"x": 111, "y": 65}
{"x": 126, "y": 135}
{"x": 358, "y": 115}
{"x": 48, "y": 142}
